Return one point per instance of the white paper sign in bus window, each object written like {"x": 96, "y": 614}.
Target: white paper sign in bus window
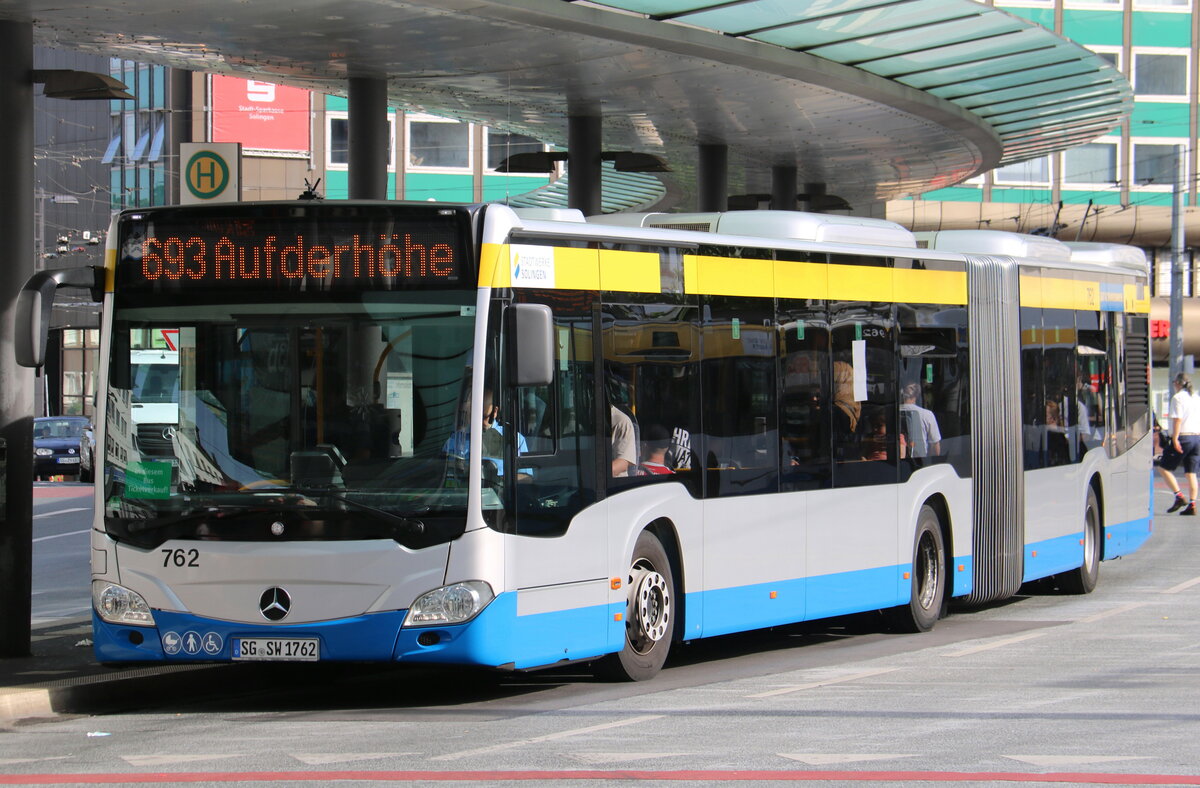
{"x": 858, "y": 355}
{"x": 532, "y": 266}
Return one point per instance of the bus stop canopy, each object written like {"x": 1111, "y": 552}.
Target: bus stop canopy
{"x": 874, "y": 98}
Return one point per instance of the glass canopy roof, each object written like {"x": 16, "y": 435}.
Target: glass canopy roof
{"x": 1038, "y": 91}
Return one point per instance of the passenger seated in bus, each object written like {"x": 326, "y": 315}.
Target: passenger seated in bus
{"x": 846, "y": 410}
{"x": 877, "y": 443}
{"x": 623, "y": 441}
{"x": 678, "y": 456}
{"x": 920, "y": 436}
{"x": 1057, "y": 449}
{"x": 654, "y": 452}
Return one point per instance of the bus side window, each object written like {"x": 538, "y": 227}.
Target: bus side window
{"x": 740, "y": 396}
{"x": 804, "y": 420}
{"x": 864, "y": 407}
{"x": 651, "y": 371}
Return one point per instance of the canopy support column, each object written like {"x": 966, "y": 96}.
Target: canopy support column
{"x": 584, "y": 182}
{"x": 368, "y": 138}
{"x": 712, "y": 178}
{"x": 16, "y": 382}
{"x": 783, "y": 188}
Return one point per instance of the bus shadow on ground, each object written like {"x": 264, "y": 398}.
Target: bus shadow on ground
{"x": 354, "y": 690}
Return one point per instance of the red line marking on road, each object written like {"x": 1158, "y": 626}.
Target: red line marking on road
{"x": 1086, "y": 778}
{"x": 62, "y": 492}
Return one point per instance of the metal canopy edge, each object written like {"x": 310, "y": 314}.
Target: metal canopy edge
{"x": 662, "y": 86}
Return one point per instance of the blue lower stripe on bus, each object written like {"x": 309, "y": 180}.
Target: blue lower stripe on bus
{"x": 1051, "y": 556}
{"x": 500, "y": 637}
{"x": 1064, "y": 553}
{"x": 1124, "y": 538}
{"x": 183, "y": 637}
{"x": 728, "y": 610}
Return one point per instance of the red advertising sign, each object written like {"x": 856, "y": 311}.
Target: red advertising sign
{"x": 260, "y": 115}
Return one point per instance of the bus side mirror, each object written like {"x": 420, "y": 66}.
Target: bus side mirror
{"x": 35, "y": 302}
{"x": 530, "y": 345}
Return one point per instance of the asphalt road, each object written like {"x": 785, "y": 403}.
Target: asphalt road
{"x": 62, "y": 519}
{"x": 1096, "y": 689}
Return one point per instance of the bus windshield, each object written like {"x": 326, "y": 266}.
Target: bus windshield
{"x": 318, "y": 419}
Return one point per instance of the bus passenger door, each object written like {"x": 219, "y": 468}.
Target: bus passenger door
{"x": 558, "y": 559}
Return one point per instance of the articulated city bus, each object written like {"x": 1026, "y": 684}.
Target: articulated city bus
{"x": 459, "y": 434}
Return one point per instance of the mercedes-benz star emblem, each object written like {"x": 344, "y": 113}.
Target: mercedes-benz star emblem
{"x": 274, "y": 604}
{"x": 168, "y": 433}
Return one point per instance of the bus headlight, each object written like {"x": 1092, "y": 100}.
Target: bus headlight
{"x": 118, "y": 605}
{"x": 452, "y": 604}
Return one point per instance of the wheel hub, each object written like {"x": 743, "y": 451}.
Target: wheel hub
{"x": 651, "y": 605}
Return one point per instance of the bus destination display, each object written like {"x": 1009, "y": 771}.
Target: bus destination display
{"x": 275, "y": 254}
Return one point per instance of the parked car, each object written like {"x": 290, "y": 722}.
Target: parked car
{"x": 57, "y": 442}
{"x": 87, "y": 454}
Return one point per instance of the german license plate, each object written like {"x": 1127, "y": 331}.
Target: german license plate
{"x": 68, "y": 460}
{"x": 277, "y": 649}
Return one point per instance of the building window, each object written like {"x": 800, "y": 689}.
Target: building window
{"x": 337, "y": 140}
{"x": 1172, "y": 5}
{"x": 1095, "y": 162}
{"x": 1110, "y": 53}
{"x": 1160, "y": 75}
{"x": 1034, "y": 171}
{"x": 80, "y": 352}
{"x": 438, "y": 143}
{"x": 1154, "y": 164}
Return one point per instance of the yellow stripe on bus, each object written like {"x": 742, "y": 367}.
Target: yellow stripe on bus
{"x": 929, "y": 287}
{"x": 1031, "y": 291}
{"x": 861, "y": 283}
{"x": 1137, "y": 299}
{"x": 629, "y": 272}
{"x": 801, "y": 280}
{"x": 640, "y": 272}
{"x": 705, "y": 275}
{"x": 577, "y": 269}
{"x": 493, "y": 266}
{"x": 110, "y": 269}
{"x": 1057, "y": 294}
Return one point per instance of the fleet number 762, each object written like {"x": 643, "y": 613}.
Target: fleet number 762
{"x": 180, "y": 557}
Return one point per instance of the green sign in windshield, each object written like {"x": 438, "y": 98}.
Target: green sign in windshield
{"x": 150, "y": 480}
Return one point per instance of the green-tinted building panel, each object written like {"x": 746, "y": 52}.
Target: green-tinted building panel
{"x": 1111, "y": 197}
{"x": 1150, "y": 198}
{"x": 1151, "y": 119}
{"x": 337, "y": 103}
{"x": 1000, "y": 194}
{"x": 1043, "y": 16}
{"x": 336, "y": 185}
{"x": 439, "y": 187}
{"x": 955, "y": 194}
{"x": 499, "y": 187}
{"x": 1159, "y": 29}
{"x": 1098, "y": 28}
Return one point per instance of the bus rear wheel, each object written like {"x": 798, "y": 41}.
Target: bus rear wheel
{"x": 1083, "y": 580}
{"x": 649, "y": 615}
{"x": 928, "y": 577}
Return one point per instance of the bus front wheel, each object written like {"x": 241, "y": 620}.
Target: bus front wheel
{"x": 650, "y": 612}
{"x": 928, "y": 577}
